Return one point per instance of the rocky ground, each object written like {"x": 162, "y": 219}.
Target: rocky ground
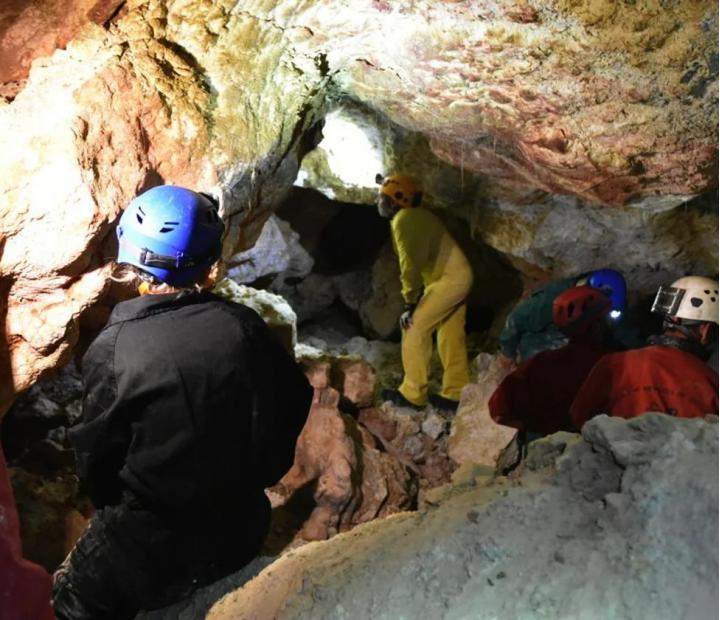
{"x": 623, "y": 524}
{"x": 620, "y": 523}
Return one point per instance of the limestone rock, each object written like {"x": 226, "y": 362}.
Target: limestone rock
{"x": 335, "y": 168}
{"x": 354, "y": 481}
{"x": 274, "y": 310}
{"x": 276, "y": 251}
{"x": 309, "y": 297}
{"x": 116, "y": 112}
{"x": 419, "y": 439}
{"x": 384, "y": 304}
{"x": 475, "y": 437}
{"x": 359, "y": 382}
{"x": 645, "y": 527}
{"x": 614, "y": 103}
{"x": 648, "y": 248}
{"x": 352, "y": 377}
{"x": 49, "y": 513}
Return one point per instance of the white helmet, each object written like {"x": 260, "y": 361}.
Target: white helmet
{"x": 693, "y": 297}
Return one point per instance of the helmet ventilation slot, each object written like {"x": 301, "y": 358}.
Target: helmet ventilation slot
{"x": 169, "y": 227}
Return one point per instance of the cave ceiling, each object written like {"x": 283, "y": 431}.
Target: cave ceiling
{"x": 534, "y": 109}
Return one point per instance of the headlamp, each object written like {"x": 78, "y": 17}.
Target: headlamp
{"x": 615, "y": 314}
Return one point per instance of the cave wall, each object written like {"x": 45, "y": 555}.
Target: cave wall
{"x": 608, "y": 103}
{"x": 31, "y": 30}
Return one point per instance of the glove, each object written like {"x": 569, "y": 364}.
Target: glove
{"x": 406, "y": 316}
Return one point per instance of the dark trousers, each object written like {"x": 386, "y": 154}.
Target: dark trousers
{"x": 130, "y": 559}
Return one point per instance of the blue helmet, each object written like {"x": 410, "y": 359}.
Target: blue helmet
{"x": 172, "y": 233}
{"x": 613, "y": 284}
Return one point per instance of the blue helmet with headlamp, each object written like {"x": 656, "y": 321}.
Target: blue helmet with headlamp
{"x": 172, "y": 233}
{"x": 612, "y": 283}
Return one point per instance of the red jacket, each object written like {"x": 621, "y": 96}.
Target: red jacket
{"x": 654, "y": 378}
{"x": 25, "y": 588}
{"x": 536, "y": 397}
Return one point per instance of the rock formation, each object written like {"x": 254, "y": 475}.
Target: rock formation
{"x": 622, "y": 525}
{"x": 611, "y": 103}
{"x": 275, "y": 311}
{"x": 52, "y": 511}
{"x": 362, "y": 466}
{"x": 475, "y": 436}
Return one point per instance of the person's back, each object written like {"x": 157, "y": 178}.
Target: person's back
{"x": 529, "y": 328}
{"x": 191, "y": 408}
{"x": 536, "y": 397}
{"x": 656, "y": 378}
{"x": 669, "y": 376}
{"x": 421, "y": 238}
{"x": 190, "y": 373}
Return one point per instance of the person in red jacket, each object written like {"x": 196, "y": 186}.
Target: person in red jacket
{"x": 668, "y": 376}
{"x": 25, "y": 588}
{"x": 536, "y": 397}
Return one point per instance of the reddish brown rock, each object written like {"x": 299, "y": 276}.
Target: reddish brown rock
{"x": 318, "y": 373}
{"x": 30, "y": 29}
{"x": 378, "y": 423}
{"x": 355, "y": 477}
{"x": 354, "y": 378}
{"x": 358, "y": 380}
{"x": 418, "y": 440}
{"x": 75, "y": 525}
{"x": 354, "y": 481}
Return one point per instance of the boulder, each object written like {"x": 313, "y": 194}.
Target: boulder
{"x": 625, "y": 508}
{"x": 475, "y": 437}
{"x": 276, "y": 251}
{"x": 354, "y": 482}
{"x": 273, "y": 309}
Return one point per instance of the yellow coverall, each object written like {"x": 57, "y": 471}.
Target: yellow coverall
{"x": 429, "y": 257}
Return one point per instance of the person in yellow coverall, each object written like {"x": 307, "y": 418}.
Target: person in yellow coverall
{"x": 436, "y": 279}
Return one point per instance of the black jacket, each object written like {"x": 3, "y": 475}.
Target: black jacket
{"x": 190, "y": 404}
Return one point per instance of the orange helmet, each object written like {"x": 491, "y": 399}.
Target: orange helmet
{"x": 577, "y": 309}
{"x": 402, "y": 189}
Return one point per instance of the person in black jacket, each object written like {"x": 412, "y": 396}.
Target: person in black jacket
{"x": 191, "y": 409}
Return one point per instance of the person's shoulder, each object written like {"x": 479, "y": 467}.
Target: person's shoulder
{"x": 413, "y": 214}
{"x": 402, "y": 216}
{"x": 102, "y": 349}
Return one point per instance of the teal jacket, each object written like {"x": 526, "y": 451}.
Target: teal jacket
{"x": 529, "y": 328}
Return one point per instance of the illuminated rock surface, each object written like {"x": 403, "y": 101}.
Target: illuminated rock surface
{"x": 566, "y": 134}
{"x": 612, "y": 103}
{"x": 359, "y": 462}
{"x": 273, "y": 309}
{"x": 624, "y": 525}
{"x": 475, "y": 437}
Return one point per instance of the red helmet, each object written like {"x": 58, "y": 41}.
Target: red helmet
{"x": 577, "y": 309}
